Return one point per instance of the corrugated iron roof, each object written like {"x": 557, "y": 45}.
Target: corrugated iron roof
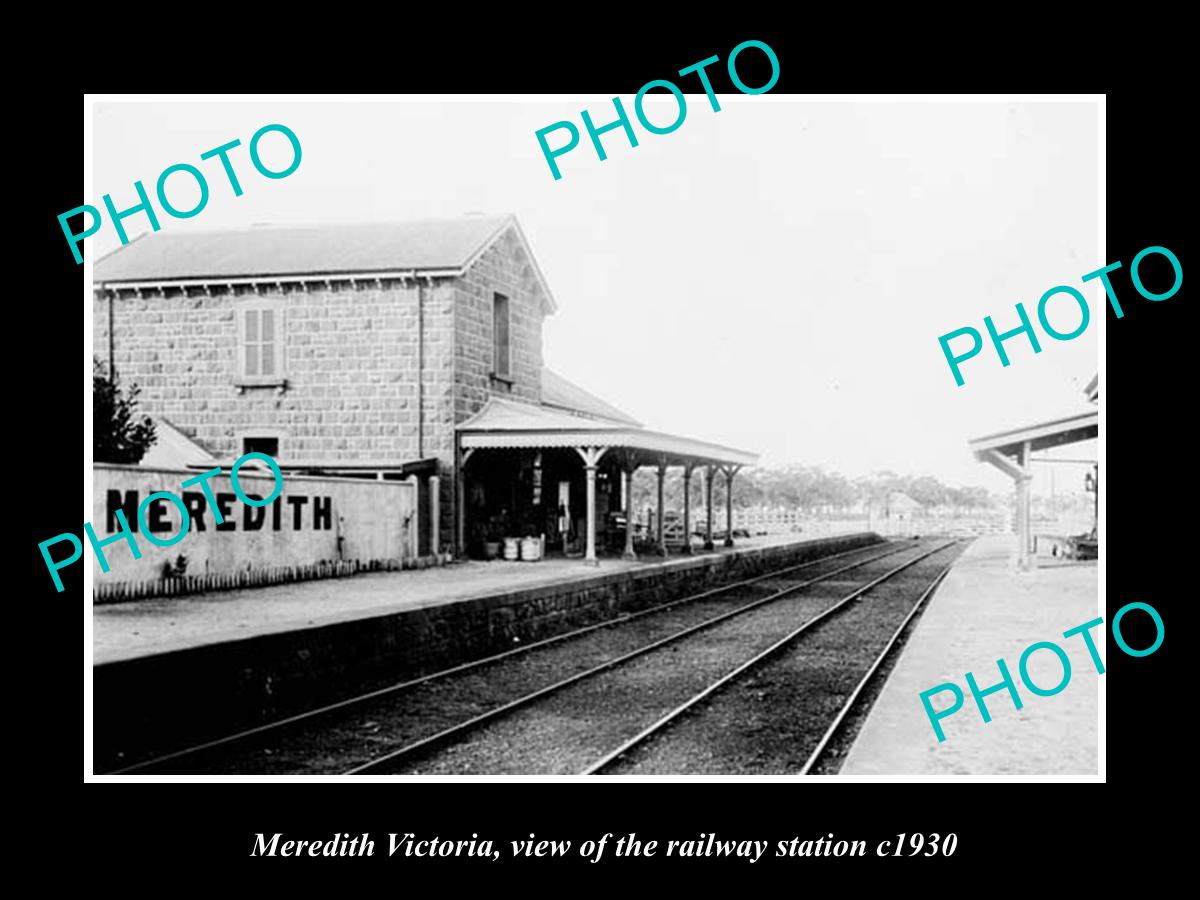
{"x": 267, "y": 250}
{"x": 563, "y": 394}
{"x": 515, "y": 415}
{"x": 1081, "y": 426}
{"x": 511, "y": 423}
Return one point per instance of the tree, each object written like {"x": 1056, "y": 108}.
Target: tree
{"x": 117, "y": 435}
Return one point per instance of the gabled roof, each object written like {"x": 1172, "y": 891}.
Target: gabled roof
{"x": 898, "y": 501}
{"x": 561, "y": 394}
{"x": 172, "y": 449}
{"x": 499, "y": 414}
{"x": 509, "y": 423}
{"x": 432, "y": 246}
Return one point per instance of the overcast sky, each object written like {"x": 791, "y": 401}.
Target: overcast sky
{"x": 773, "y": 276}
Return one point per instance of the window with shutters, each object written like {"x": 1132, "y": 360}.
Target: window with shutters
{"x": 260, "y": 342}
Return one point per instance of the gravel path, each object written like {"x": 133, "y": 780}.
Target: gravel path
{"x": 343, "y": 739}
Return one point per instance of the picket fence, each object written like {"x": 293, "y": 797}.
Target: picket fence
{"x": 176, "y": 586}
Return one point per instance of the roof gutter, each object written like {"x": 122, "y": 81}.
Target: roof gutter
{"x": 156, "y": 284}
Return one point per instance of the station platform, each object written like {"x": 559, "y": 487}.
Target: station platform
{"x": 986, "y": 610}
{"x": 140, "y": 628}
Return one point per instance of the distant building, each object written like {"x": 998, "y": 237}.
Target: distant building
{"x": 381, "y": 351}
{"x": 893, "y": 513}
{"x": 901, "y": 507}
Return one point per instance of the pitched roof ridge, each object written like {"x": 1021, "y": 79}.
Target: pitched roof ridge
{"x": 447, "y": 244}
{"x": 306, "y": 226}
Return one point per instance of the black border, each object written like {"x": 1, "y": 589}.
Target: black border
{"x": 201, "y": 834}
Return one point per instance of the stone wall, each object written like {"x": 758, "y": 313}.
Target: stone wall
{"x": 351, "y": 363}
{"x": 351, "y": 349}
{"x": 506, "y": 269}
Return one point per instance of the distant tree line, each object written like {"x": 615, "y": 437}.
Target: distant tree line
{"x": 810, "y": 489}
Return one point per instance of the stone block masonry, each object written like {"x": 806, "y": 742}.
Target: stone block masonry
{"x": 349, "y": 371}
{"x": 374, "y": 371}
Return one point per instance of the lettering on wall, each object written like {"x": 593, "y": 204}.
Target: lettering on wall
{"x": 296, "y": 512}
{"x": 194, "y": 511}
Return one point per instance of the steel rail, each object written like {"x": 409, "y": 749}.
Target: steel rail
{"x": 678, "y": 711}
{"x": 306, "y": 715}
{"x": 526, "y": 699}
{"x": 853, "y": 699}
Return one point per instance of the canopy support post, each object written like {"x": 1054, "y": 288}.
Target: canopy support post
{"x": 662, "y": 474}
{"x": 709, "y": 471}
{"x": 591, "y": 457}
{"x": 1018, "y": 470}
{"x": 687, "y": 507}
{"x": 627, "y": 471}
{"x": 729, "y": 471}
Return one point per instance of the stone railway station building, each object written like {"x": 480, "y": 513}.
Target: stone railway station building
{"x": 388, "y": 351}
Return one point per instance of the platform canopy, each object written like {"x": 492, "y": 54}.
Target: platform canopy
{"x": 511, "y": 424}
{"x": 1082, "y": 426}
{"x": 505, "y": 424}
{"x": 1009, "y": 451}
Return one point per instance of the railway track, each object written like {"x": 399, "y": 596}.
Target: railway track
{"x": 221, "y": 753}
{"x": 852, "y": 702}
{"x": 740, "y": 744}
{"x": 555, "y": 733}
